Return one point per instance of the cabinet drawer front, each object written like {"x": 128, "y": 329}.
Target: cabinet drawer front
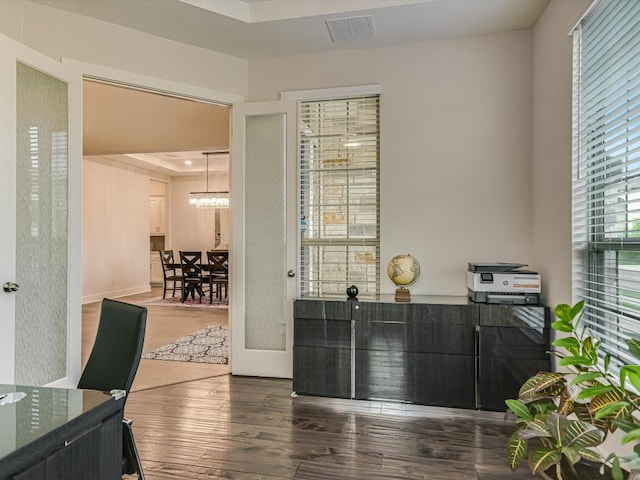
{"x": 417, "y": 313}
{"x": 500, "y": 378}
{"x": 513, "y": 342}
{"x": 425, "y": 337}
{"x": 322, "y": 309}
{"x": 429, "y": 379}
{"x": 514, "y": 316}
{"x": 322, "y": 333}
{"x": 322, "y": 371}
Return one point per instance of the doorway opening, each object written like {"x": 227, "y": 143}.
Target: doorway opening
{"x": 142, "y": 155}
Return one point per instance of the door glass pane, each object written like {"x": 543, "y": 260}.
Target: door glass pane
{"x": 41, "y": 230}
{"x": 265, "y": 229}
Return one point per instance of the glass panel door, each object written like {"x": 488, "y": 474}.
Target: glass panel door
{"x": 40, "y": 307}
{"x": 263, "y": 205}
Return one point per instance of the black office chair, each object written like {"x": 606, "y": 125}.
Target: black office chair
{"x": 113, "y": 363}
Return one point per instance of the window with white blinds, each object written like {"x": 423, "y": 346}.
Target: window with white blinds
{"x": 606, "y": 193}
{"x": 339, "y": 196}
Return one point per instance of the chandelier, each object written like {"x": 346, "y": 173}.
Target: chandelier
{"x": 209, "y": 199}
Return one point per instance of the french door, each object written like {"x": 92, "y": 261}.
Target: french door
{"x": 40, "y": 215}
{"x": 264, "y": 231}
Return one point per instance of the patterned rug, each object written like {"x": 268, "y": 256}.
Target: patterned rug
{"x": 189, "y": 302}
{"x": 208, "y": 345}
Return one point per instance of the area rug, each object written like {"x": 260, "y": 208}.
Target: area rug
{"x": 189, "y": 302}
{"x": 207, "y": 345}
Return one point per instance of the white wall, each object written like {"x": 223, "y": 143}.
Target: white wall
{"x": 66, "y": 35}
{"x": 192, "y": 228}
{"x": 115, "y": 231}
{"x": 475, "y": 132}
{"x": 61, "y": 34}
{"x": 551, "y": 173}
{"x": 455, "y": 146}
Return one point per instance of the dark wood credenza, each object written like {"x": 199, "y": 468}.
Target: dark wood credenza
{"x": 56, "y": 433}
{"x": 444, "y": 351}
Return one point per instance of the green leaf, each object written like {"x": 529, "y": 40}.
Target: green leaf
{"x": 631, "y": 372}
{"x": 576, "y": 360}
{"x": 542, "y": 458}
{"x": 611, "y": 409}
{"x": 519, "y": 408}
{"x": 616, "y": 471}
{"x": 569, "y": 343}
{"x": 625, "y": 425}
{"x": 631, "y": 436}
{"x": 577, "y": 309}
{"x": 582, "y": 435}
{"x": 634, "y": 347}
{"x": 594, "y": 391}
{"x": 605, "y": 400}
{"x": 590, "y": 455}
{"x": 537, "y": 428}
{"x": 585, "y": 377}
{"x": 562, "y": 326}
{"x": 516, "y": 450}
{"x": 607, "y": 360}
{"x": 534, "y": 386}
{"x": 563, "y": 312}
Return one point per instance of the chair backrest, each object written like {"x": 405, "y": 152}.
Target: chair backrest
{"x": 218, "y": 262}
{"x": 117, "y": 349}
{"x": 191, "y": 264}
{"x": 166, "y": 258}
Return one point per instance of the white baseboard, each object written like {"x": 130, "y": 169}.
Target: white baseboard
{"x": 115, "y": 294}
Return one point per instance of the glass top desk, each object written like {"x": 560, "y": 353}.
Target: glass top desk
{"x": 59, "y": 433}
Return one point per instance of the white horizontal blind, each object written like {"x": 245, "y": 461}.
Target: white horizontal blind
{"x": 339, "y": 196}
{"x": 606, "y": 194}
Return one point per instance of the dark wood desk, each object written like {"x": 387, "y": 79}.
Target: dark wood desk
{"x": 55, "y": 433}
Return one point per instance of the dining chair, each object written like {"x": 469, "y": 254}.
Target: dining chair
{"x": 192, "y": 278}
{"x": 113, "y": 363}
{"x": 169, "y": 272}
{"x": 218, "y": 261}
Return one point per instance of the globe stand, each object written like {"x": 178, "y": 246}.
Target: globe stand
{"x": 403, "y": 295}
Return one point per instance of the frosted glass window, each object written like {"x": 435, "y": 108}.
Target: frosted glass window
{"x": 41, "y": 229}
{"x": 265, "y": 232}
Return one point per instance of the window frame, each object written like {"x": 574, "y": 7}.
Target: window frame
{"x": 328, "y": 94}
{"x": 606, "y": 178}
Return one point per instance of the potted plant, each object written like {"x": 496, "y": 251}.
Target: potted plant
{"x": 562, "y": 417}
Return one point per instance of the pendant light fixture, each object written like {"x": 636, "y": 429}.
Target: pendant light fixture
{"x": 209, "y": 199}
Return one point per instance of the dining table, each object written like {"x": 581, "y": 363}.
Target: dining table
{"x": 205, "y": 269}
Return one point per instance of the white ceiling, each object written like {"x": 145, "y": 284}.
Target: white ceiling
{"x": 267, "y": 28}
{"x": 270, "y": 28}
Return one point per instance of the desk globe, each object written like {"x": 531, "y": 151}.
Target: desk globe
{"x": 403, "y": 270}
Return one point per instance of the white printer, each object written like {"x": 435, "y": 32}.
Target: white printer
{"x": 503, "y": 283}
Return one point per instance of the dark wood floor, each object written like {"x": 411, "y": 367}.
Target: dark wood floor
{"x": 251, "y": 428}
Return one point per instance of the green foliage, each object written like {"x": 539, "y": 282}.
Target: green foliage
{"x": 561, "y": 417}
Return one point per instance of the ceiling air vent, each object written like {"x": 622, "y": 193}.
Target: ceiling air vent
{"x": 350, "y": 28}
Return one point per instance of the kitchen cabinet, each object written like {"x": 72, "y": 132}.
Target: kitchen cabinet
{"x": 157, "y": 222}
{"x": 444, "y": 351}
{"x": 156, "y": 275}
